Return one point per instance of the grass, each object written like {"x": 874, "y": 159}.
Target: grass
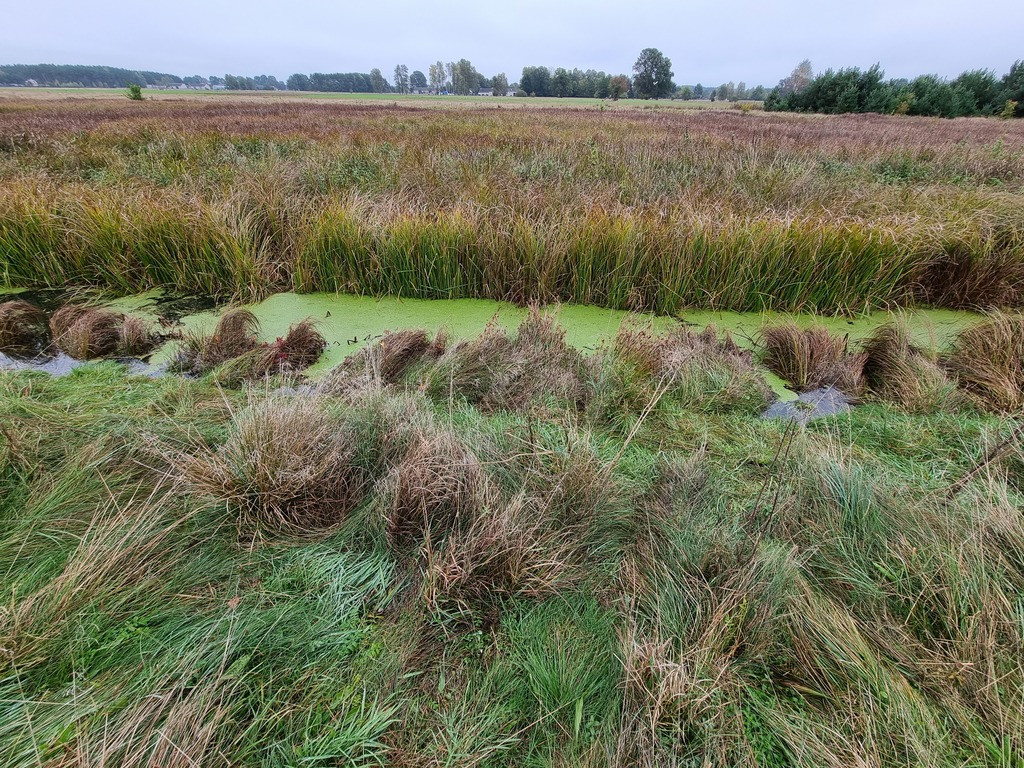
{"x": 392, "y": 576}
{"x": 631, "y": 209}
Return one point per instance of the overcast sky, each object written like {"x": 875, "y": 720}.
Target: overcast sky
{"x": 708, "y": 41}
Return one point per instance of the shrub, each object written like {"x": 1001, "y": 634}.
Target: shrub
{"x": 23, "y": 328}
{"x": 134, "y": 92}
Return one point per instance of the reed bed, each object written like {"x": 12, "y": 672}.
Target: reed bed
{"x": 655, "y": 211}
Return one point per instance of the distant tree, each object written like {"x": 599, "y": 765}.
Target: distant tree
{"x": 377, "y": 81}
{"x": 618, "y": 87}
{"x": 536, "y": 81}
{"x": 798, "y": 79}
{"x": 417, "y": 79}
{"x": 402, "y": 78}
{"x": 561, "y": 84}
{"x": 698, "y": 91}
{"x": 500, "y": 84}
{"x": 298, "y": 82}
{"x": 215, "y": 80}
{"x": 741, "y": 91}
{"x": 757, "y": 93}
{"x": 437, "y": 76}
{"x": 723, "y": 92}
{"x": 980, "y": 87}
{"x": 1011, "y": 88}
{"x": 134, "y": 92}
{"x": 685, "y": 93}
{"x": 465, "y": 79}
{"x": 652, "y": 74}
{"x": 194, "y": 80}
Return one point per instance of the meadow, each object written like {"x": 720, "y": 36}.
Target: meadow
{"x": 644, "y": 210}
{"x": 515, "y": 545}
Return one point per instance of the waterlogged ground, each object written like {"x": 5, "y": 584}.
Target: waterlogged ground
{"x": 349, "y": 322}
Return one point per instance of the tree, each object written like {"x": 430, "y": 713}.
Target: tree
{"x": 798, "y": 79}
{"x": 618, "y": 87}
{"x": 1012, "y": 90}
{"x": 417, "y": 79}
{"x": 698, "y": 91}
{"x": 436, "y": 76}
{"x": 465, "y": 79}
{"x": 377, "y": 81}
{"x": 401, "y": 78}
{"x": 652, "y": 74}
{"x": 685, "y": 93}
{"x": 561, "y": 84}
{"x": 298, "y": 82}
{"x": 536, "y": 81}
{"x": 981, "y": 87}
{"x": 134, "y": 92}
{"x": 500, "y": 84}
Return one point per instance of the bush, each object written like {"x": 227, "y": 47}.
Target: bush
{"x": 134, "y": 92}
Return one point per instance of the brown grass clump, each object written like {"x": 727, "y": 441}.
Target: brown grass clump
{"x": 23, "y": 328}
{"x": 300, "y": 348}
{"x": 496, "y": 371}
{"x": 233, "y": 336}
{"x": 288, "y": 466}
{"x": 136, "y": 338}
{"x": 900, "y": 372}
{"x": 988, "y": 362}
{"x": 812, "y": 358}
{"x": 509, "y": 550}
{"x": 385, "y": 361}
{"x": 85, "y": 333}
{"x": 437, "y": 487}
{"x": 697, "y": 371}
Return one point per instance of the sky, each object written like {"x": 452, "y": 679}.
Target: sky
{"x": 708, "y": 42}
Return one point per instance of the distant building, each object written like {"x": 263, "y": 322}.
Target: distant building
{"x": 422, "y": 90}
{"x": 31, "y": 83}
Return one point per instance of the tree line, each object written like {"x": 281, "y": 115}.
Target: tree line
{"x": 976, "y": 92}
{"x": 81, "y": 76}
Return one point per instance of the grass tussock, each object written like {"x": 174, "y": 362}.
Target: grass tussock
{"x": 386, "y": 361}
{"x": 898, "y": 371}
{"x": 23, "y": 328}
{"x": 437, "y": 488}
{"x": 812, "y": 358}
{"x": 87, "y": 333}
{"x": 987, "y": 361}
{"x": 642, "y": 371}
{"x": 236, "y": 354}
{"x": 499, "y": 371}
{"x": 286, "y": 467}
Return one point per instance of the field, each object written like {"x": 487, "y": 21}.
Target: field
{"x": 327, "y": 531}
{"x": 649, "y": 210}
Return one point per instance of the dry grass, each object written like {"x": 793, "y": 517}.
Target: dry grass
{"x": 385, "y": 361}
{"x": 496, "y": 371}
{"x": 286, "y": 467}
{"x": 987, "y": 361}
{"x": 23, "y": 328}
{"x": 437, "y": 488}
{"x": 85, "y": 333}
{"x": 812, "y": 358}
{"x": 900, "y": 372}
{"x": 234, "y": 335}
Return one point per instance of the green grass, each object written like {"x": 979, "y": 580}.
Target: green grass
{"x": 682, "y": 584}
